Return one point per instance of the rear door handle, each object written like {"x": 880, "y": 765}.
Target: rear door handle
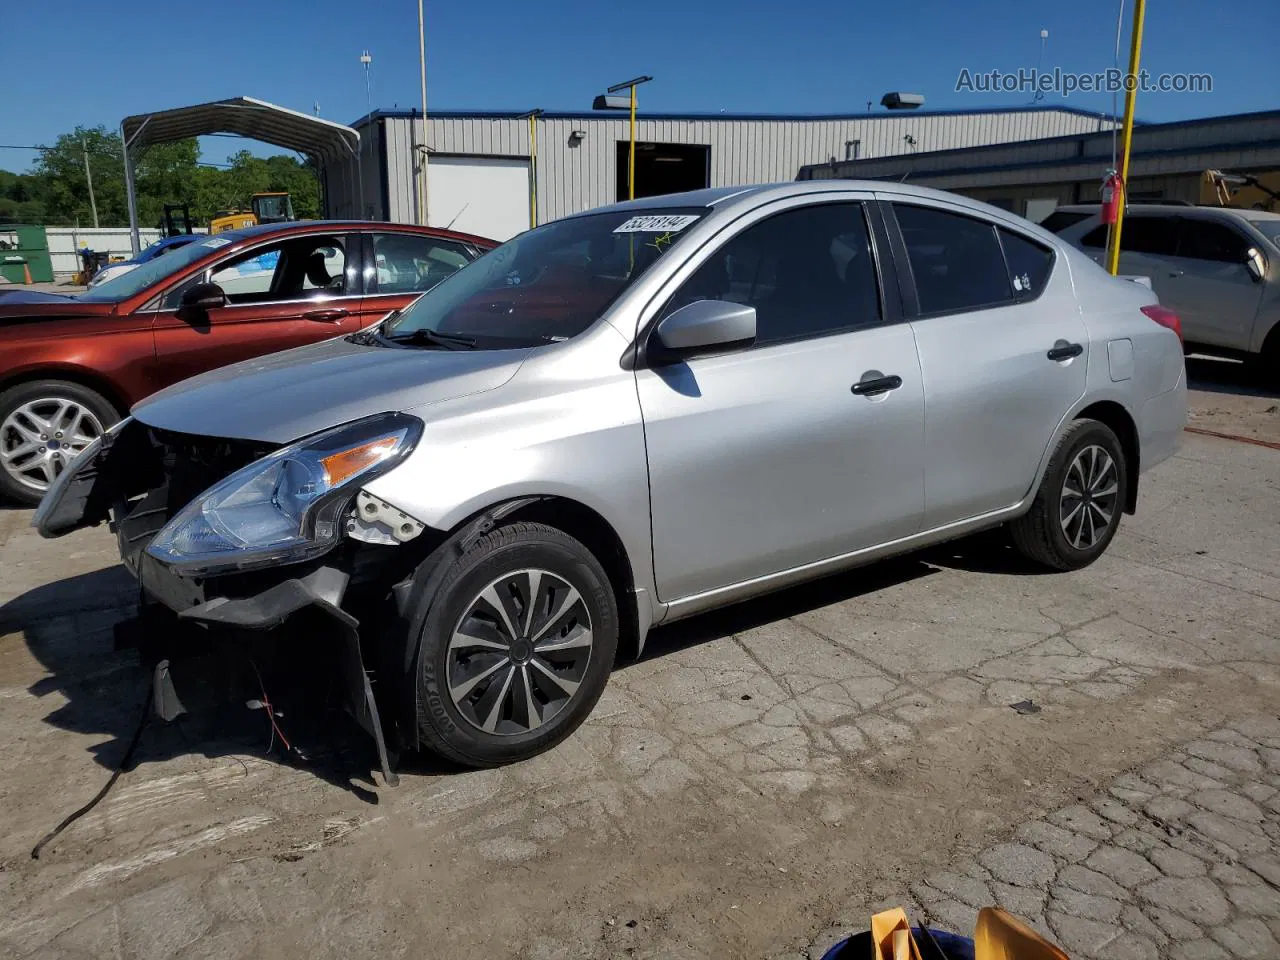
{"x": 327, "y": 316}
{"x": 874, "y": 385}
{"x": 1175, "y": 273}
{"x": 1065, "y": 351}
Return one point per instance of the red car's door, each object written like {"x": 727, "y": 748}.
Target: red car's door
{"x": 279, "y": 295}
{"x": 400, "y": 267}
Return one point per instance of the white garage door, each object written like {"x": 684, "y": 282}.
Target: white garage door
{"x": 485, "y": 196}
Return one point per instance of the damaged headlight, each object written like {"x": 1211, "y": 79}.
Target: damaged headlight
{"x": 287, "y": 506}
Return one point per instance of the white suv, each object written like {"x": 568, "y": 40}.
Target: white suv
{"x": 1217, "y": 268}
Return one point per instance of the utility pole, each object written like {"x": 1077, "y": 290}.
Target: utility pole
{"x": 422, "y": 163}
{"x": 88, "y": 176}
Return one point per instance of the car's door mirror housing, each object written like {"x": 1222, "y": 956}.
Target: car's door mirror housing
{"x": 1256, "y": 264}
{"x": 703, "y": 327}
{"x": 201, "y": 298}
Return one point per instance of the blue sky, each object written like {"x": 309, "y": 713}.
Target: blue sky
{"x": 821, "y": 56}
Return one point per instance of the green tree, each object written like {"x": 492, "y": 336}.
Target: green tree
{"x": 56, "y": 192}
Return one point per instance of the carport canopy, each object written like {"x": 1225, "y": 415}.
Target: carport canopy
{"x": 320, "y": 140}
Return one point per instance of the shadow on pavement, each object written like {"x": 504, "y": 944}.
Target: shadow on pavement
{"x": 68, "y": 628}
{"x": 1213, "y": 375}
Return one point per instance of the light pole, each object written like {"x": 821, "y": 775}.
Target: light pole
{"x": 608, "y": 102}
{"x": 366, "y": 61}
{"x": 422, "y": 166}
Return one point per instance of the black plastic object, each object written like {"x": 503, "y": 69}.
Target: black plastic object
{"x": 934, "y": 945}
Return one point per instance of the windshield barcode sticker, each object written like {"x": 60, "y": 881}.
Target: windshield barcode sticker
{"x": 215, "y": 242}
{"x": 653, "y": 223}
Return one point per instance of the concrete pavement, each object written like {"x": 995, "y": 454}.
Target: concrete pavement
{"x": 766, "y": 777}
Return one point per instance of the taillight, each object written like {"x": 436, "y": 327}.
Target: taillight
{"x": 1165, "y": 317}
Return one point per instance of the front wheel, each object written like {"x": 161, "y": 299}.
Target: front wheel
{"x": 1077, "y": 509}
{"x": 43, "y": 425}
{"x": 517, "y": 647}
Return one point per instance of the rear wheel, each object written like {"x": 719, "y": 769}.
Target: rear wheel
{"x": 1077, "y": 509}
{"x": 517, "y": 647}
{"x": 43, "y": 425}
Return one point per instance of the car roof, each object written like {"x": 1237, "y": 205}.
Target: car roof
{"x": 725, "y": 198}
{"x": 324, "y": 226}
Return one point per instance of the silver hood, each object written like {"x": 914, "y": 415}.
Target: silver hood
{"x": 283, "y": 396}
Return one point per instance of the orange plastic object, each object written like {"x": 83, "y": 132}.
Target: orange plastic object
{"x": 1002, "y": 936}
{"x": 891, "y": 936}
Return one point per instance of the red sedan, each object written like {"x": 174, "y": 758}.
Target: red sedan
{"x": 70, "y": 366}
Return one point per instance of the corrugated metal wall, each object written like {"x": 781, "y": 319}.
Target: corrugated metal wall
{"x": 575, "y": 175}
{"x": 1244, "y": 141}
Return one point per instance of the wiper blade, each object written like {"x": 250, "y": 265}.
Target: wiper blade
{"x": 450, "y": 341}
{"x": 372, "y": 333}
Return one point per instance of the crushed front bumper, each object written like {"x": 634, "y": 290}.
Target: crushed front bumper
{"x": 202, "y": 613}
{"x": 138, "y": 478}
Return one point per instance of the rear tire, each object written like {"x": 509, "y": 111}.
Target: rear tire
{"x": 43, "y": 424}
{"x": 495, "y": 686}
{"x": 1076, "y": 511}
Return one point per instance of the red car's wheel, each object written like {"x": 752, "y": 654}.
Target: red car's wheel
{"x": 43, "y": 425}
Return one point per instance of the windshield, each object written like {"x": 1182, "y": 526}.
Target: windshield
{"x": 153, "y": 271}
{"x": 548, "y": 284}
{"x": 1269, "y": 229}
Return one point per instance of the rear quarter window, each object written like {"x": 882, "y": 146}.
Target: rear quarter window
{"x": 1029, "y": 264}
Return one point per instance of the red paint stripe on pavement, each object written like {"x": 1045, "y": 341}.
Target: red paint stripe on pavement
{"x": 1269, "y": 444}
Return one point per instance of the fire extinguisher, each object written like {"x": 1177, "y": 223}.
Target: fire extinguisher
{"x": 1112, "y": 197}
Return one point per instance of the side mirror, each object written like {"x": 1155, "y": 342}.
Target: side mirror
{"x": 202, "y": 298}
{"x": 703, "y": 327}
{"x": 1256, "y": 264}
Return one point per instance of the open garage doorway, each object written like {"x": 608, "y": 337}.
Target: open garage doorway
{"x": 665, "y": 168}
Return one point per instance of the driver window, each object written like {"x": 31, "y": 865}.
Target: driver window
{"x": 298, "y": 268}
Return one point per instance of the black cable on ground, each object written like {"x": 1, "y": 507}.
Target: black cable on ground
{"x": 121, "y": 768}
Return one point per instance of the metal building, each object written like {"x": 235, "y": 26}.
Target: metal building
{"x": 1167, "y": 163}
{"x": 484, "y": 170}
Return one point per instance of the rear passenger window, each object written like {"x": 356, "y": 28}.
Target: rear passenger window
{"x": 1028, "y": 262}
{"x": 1205, "y": 240}
{"x": 955, "y": 260}
{"x": 1097, "y": 237}
{"x": 807, "y": 271}
{"x": 1059, "y": 220}
{"x": 1157, "y": 236}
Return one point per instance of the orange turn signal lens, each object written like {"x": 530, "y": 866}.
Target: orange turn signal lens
{"x": 347, "y": 463}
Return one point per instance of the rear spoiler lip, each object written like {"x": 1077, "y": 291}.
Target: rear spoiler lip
{"x": 1135, "y": 278}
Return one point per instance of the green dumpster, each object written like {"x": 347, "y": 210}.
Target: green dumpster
{"x": 25, "y": 245}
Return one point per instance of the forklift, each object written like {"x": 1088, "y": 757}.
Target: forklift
{"x": 177, "y": 220}
{"x": 268, "y": 207}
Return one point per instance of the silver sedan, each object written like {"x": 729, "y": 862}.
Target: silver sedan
{"x": 629, "y": 416}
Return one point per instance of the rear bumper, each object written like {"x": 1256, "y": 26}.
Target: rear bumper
{"x": 1160, "y": 423}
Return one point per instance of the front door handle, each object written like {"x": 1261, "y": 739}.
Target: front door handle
{"x": 327, "y": 316}
{"x": 1065, "y": 351}
{"x": 1175, "y": 273}
{"x": 870, "y": 387}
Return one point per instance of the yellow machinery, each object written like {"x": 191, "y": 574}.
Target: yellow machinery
{"x": 1244, "y": 191}
{"x": 273, "y": 207}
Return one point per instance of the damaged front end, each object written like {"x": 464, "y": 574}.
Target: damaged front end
{"x": 230, "y": 538}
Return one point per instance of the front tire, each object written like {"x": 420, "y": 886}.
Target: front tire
{"x": 1077, "y": 509}
{"x": 516, "y": 648}
{"x": 43, "y": 425}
